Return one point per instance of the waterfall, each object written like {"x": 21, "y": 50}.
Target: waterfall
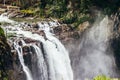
{"x": 95, "y": 56}
{"x": 53, "y": 61}
{"x": 20, "y": 54}
{"x": 56, "y": 54}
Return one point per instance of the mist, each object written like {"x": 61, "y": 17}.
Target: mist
{"x": 92, "y": 55}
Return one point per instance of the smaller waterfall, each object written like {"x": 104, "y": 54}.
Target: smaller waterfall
{"x": 20, "y": 54}
{"x": 56, "y": 56}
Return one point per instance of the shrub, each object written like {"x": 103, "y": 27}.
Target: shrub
{"x": 1, "y": 32}
{"x": 101, "y": 77}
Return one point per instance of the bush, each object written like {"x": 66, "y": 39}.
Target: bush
{"x": 28, "y": 12}
{"x": 101, "y": 77}
{"x": 69, "y": 18}
{"x": 1, "y": 32}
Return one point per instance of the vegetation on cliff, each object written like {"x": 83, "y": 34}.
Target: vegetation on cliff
{"x": 71, "y": 12}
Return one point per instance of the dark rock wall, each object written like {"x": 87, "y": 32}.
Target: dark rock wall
{"x": 115, "y": 42}
{"x": 6, "y": 60}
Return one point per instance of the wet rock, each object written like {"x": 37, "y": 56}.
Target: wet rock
{"x": 75, "y": 35}
{"x": 32, "y": 49}
{"x": 20, "y": 43}
{"x": 116, "y": 38}
{"x": 60, "y": 29}
{"x": 26, "y": 50}
{"x": 35, "y": 25}
{"x": 65, "y": 28}
{"x": 28, "y": 40}
{"x": 27, "y": 58}
{"x": 57, "y": 30}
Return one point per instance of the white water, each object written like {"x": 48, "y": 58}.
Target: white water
{"x": 58, "y": 59}
{"x": 4, "y": 18}
{"x": 20, "y": 55}
{"x": 59, "y": 66}
{"x": 57, "y": 56}
{"x": 47, "y": 26}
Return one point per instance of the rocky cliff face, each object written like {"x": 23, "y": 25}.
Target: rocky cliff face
{"x": 115, "y": 42}
{"x": 6, "y": 62}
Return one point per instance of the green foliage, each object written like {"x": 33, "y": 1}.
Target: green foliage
{"x": 75, "y": 19}
{"x": 85, "y": 5}
{"x": 1, "y": 32}
{"x": 56, "y": 8}
{"x": 69, "y": 11}
{"x": 83, "y": 19}
{"x": 81, "y": 5}
{"x": 69, "y": 18}
{"x": 101, "y": 77}
{"x": 43, "y": 4}
{"x": 27, "y": 11}
{"x": 5, "y": 78}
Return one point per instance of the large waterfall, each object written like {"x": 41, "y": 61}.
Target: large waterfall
{"x": 53, "y": 61}
{"x": 56, "y": 55}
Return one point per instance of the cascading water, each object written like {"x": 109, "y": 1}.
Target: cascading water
{"x": 53, "y": 61}
{"x": 95, "y": 57}
{"x": 57, "y": 56}
{"x": 20, "y": 54}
